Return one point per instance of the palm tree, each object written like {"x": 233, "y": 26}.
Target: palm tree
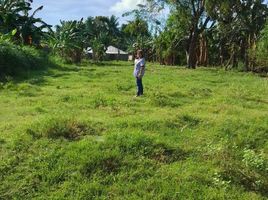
{"x": 101, "y": 32}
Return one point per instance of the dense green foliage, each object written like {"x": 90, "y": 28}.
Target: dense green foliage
{"x": 136, "y": 33}
{"x": 18, "y": 31}
{"x": 78, "y": 133}
{"x": 68, "y": 40}
{"x": 195, "y": 32}
{"x": 102, "y": 32}
{"x": 19, "y": 60}
{"x": 262, "y": 51}
{"x": 71, "y": 38}
{"x": 16, "y": 15}
{"x": 215, "y": 32}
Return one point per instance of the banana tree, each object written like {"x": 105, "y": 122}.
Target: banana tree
{"x": 14, "y": 14}
{"x": 68, "y": 40}
{"x": 8, "y": 36}
{"x": 99, "y": 46}
{"x": 100, "y": 33}
{"x": 137, "y": 36}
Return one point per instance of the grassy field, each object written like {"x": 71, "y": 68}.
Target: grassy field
{"x": 77, "y": 132}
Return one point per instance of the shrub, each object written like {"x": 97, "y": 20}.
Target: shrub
{"x": 255, "y": 161}
{"x": 262, "y": 51}
{"x": 16, "y": 60}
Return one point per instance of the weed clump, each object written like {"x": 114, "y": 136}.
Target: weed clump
{"x": 250, "y": 179}
{"x": 183, "y": 121}
{"x": 244, "y": 168}
{"x": 124, "y": 87}
{"x": 163, "y": 100}
{"x": 101, "y": 101}
{"x": 200, "y": 92}
{"x": 107, "y": 163}
{"x": 65, "y": 128}
{"x": 140, "y": 145}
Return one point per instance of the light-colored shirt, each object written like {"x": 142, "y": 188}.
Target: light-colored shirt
{"x": 139, "y": 63}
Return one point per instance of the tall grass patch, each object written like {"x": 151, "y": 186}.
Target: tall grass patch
{"x": 19, "y": 60}
{"x": 65, "y": 128}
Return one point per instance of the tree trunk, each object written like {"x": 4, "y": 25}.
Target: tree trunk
{"x": 234, "y": 57}
{"x": 221, "y": 55}
{"x": 192, "y": 61}
{"x": 203, "y": 51}
{"x": 251, "y": 54}
{"x": 187, "y": 56}
{"x": 233, "y": 62}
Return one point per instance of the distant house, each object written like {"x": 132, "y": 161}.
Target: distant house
{"x": 112, "y": 53}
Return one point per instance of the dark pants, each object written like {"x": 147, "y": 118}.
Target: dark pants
{"x": 139, "y": 86}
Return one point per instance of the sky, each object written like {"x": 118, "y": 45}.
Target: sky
{"x": 56, "y": 10}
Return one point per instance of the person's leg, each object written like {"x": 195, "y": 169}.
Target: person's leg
{"x": 137, "y": 82}
{"x": 141, "y": 87}
{"x": 138, "y": 86}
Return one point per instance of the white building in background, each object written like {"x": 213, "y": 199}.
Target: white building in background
{"x": 112, "y": 53}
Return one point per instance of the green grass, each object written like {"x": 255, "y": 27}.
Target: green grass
{"x": 77, "y": 132}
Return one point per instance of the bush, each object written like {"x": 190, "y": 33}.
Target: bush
{"x": 16, "y": 60}
{"x": 262, "y": 51}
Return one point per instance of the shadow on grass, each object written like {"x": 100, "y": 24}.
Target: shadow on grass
{"x": 37, "y": 76}
{"x": 33, "y": 76}
{"x": 109, "y": 64}
{"x": 122, "y": 152}
{"x": 250, "y": 180}
{"x": 2, "y": 141}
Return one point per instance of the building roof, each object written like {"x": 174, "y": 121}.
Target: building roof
{"x": 114, "y": 50}
{"x": 110, "y": 50}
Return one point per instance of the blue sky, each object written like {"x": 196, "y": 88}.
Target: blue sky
{"x": 56, "y": 10}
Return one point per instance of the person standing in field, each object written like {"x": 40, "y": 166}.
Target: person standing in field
{"x": 139, "y": 70}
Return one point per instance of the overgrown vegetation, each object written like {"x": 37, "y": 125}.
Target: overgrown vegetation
{"x": 78, "y": 133}
{"x": 18, "y": 60}
{"x": 19, "y": 15}
{"x": 18, "y": 31}
{"x": 229, "y": 34}
{"x": 261, "y": 53}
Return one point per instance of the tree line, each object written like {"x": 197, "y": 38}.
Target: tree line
{"x": 228, "y": 33}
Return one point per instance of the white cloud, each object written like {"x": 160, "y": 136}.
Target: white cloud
{"x": 125, "y": 5}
